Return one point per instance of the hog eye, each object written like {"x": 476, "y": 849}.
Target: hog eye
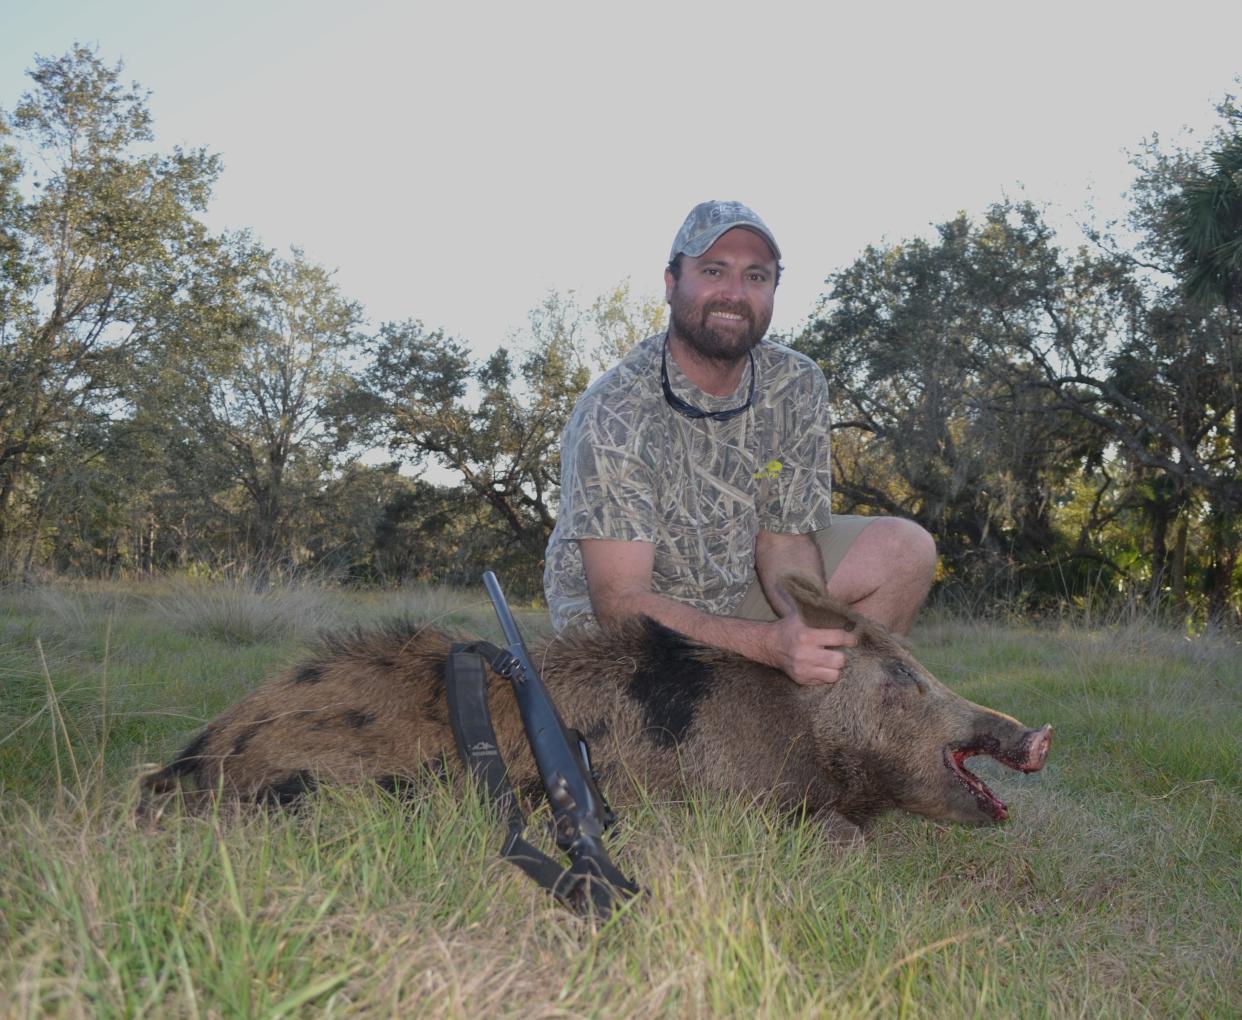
{"x": 899, "y": 674}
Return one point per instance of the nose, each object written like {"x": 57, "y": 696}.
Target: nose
{"x": 732, "y": 287}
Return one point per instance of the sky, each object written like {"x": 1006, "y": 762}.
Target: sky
{"x": 453, "y": 162}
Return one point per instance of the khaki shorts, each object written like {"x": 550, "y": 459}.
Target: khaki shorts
{"x": 834, "y": 542}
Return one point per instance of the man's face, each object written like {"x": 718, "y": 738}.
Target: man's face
{"x": 722, "y": 304}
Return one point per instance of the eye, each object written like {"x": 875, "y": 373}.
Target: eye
{"x": 899, "y": 674}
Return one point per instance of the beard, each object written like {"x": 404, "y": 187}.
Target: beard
{"x": 729, "y": 346}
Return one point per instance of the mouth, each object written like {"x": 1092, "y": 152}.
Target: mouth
{"x": 733, "y": 316}
{"x": 1030, "y": 758}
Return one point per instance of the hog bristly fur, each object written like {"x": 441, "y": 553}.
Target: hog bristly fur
{"x": 661, "y": 713}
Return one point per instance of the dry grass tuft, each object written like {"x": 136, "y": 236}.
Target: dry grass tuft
{"x": 244, "y": 613}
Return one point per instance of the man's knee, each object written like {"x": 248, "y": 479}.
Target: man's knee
{"x": 909, "y": 545}
{"x": 890, "y": 550}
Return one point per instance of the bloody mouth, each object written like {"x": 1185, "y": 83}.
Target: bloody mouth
{"x": 988, "y": 802}
{"x": 1034, "y": 753}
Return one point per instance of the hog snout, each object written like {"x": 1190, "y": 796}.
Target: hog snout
{"x": 1035, "y": 750}
{"x": 1027, "y": 754}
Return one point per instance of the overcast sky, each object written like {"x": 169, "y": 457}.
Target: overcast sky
{"x": 454, "y": 161}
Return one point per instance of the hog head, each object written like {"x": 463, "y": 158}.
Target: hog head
{"x": 889, "y": 721}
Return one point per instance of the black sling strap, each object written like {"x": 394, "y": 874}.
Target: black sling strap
{"x": 591, "y": 881}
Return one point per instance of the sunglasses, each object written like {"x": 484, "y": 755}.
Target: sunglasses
{"x": 684, "y": 407}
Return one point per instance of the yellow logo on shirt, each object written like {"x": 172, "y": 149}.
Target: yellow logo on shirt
{"x": 771, "y": 469}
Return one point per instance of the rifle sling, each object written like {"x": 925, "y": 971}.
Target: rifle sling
{"x": 471, "y": 721}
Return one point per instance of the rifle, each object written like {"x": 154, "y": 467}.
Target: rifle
{"x": 580, "y": 813}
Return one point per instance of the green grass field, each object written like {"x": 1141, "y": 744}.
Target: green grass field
{"x": 1114, "y": 891}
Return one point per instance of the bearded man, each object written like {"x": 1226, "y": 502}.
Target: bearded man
{"x": 697, "y": 471}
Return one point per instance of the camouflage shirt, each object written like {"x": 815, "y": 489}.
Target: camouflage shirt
{"x": 634, "y": 469}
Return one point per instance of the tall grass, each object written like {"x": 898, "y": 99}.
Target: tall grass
{"x": 1113, "y": 892}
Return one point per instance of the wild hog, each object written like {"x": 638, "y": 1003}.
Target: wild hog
{"x": 661, "y": 713}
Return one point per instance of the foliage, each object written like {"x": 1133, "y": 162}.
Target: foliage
{"x": 982, "y": 379}
{"x": 495, "y": 425}
{"x": 263, "y": 423}
{"x": 1065, "y": 421}
{"x": 923, "y": 344}
{"x": 90, "y": 263}
{"x": 1205, "y": 217}
{"x": 1173, "y": 399}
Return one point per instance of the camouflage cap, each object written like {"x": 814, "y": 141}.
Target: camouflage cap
{"x": 708, "y": 220}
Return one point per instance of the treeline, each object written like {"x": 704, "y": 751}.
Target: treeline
{"x": 173, "y": 399}
{"x": 1063, "y": 421}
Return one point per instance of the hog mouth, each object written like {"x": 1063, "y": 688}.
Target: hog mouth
{"x": 1030, "y": 757}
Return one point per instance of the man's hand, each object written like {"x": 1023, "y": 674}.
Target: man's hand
{"x": 807, "y": 654}
{"x": 619, "y": 579}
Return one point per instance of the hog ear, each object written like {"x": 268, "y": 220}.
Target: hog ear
{"x": 816, "y": 608}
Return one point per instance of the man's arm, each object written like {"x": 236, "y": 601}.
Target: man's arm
{"x": 778, "y": 554}
{"x": 619, "y": 581}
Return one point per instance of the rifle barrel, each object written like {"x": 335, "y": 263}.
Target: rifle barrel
{"x": 513, "y": 637}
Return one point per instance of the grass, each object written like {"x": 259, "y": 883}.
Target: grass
{"x": 1113, "y": 892}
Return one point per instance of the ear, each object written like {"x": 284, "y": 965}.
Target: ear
{"x": 815, "y": 606}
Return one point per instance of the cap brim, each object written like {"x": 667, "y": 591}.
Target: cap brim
{"x": 698, "y": 245}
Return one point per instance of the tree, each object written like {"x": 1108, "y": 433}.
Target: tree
{"x": 471, "y": 419}
{"x": 1205, "y": 218}
{"x": 1204, "y": 227}
{"x": 89, "y": 260}
{"x": 1167, "y": 391}
{"x": 496, "y": 426}
{"x": 921, "y": 342}
{"x": 259, "y": 403}
{"x": 619, "y": 320}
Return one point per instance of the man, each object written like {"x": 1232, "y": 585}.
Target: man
{"x": 697, "y": 471}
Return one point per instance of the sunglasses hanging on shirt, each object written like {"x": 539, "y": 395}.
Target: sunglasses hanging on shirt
{"x": 684, "y": 407}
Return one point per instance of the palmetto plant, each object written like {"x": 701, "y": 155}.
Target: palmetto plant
{"x": 1207, "y": 221}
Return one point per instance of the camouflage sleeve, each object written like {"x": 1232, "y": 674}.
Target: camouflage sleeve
{"x": 798, "y": 498}
{"x": 606, "y": 485}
